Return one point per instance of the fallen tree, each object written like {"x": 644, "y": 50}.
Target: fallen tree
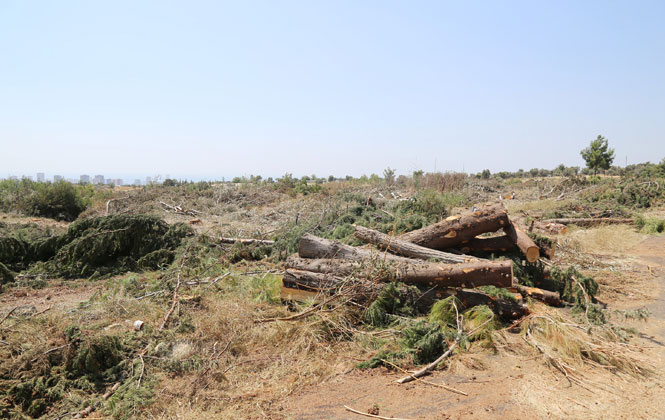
{"x": 471, "y": 274}
{"x": 591, "y": 221}
{"x": 456, "y": 230}
{"x": 407, "y": 249}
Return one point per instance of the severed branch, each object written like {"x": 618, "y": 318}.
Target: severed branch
{"x": 247, "y": 241}
{"x": 175, "y": 292}
{"x": 374, "y": 416}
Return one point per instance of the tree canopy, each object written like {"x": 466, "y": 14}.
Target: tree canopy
{"x": 598, "y": 155}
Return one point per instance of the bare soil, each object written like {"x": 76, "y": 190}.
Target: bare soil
{"x": 511, "y": 385}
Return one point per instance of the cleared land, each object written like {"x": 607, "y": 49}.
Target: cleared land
{"x": 68, "y": 339}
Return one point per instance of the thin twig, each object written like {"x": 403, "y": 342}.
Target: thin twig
{"x": 446, "y": 387}
{"x": 138, "y": 383}
{"x": 300, "y": 315}
{"x": 372, "y": 415}
{"x": 8, "y": 314}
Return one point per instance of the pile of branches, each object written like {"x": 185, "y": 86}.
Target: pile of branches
{"x": 441, "y": 260}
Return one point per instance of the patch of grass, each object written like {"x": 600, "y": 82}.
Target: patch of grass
{"x": 651, "y": 225}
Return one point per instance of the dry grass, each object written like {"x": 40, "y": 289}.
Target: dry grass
{"x": 264, "y": 363}
{"x": 540, "y": 206}
{"x": 610, "y": 239}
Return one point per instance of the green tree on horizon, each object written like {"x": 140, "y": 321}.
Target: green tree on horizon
{"x": 598, "y": 155}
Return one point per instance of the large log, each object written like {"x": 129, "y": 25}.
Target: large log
{"x": 314, "y": 247}
{"x": 306, "y": 285}
{"x": 407, "y": 249}
{"x": 470, "y": 274}
{"x": 591, "y": 221}
{"x": 501, "y": 243}
{"x": 459, "y": 229}
{"x": 523, "y": 242}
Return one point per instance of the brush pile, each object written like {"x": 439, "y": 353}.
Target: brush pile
{"x": 441, "y": 260}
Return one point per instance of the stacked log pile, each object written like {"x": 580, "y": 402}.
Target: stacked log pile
{"x": 434, "y": 258}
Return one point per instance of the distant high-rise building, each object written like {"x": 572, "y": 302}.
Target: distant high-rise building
{"x": 13, "y": 177}
{"x": 57, "y": 178}
{"x": 84, "y": 179}
{"x": 98, "y": 179}
{"x": 148, "y": 180}
{"x": 118, "y": 182}
{"x": 137, "y": 182}
{"x": 40, "y": 177}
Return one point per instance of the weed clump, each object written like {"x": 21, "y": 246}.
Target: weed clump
{"x": 650, "y": 225}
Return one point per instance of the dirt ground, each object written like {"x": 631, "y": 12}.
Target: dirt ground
{"x": 510, "y": 385}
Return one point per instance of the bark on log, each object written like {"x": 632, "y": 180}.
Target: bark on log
{"x": 314, "y": 247}
{"x": 407, "y": 249}
{"x": 458, "y": 229}
{"x": 495, "y": 244}
{"x": 246, "y": 241}
{"x": 472, "y": 274}
{"x": 549, "y": 297}
{"x": 523, "y": 242}
{"x": 591, "y": 221}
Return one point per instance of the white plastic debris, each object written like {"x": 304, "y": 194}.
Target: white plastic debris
{"x": 138, "y": 325}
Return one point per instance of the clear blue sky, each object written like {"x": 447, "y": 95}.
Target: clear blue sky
{"x": 200, "y": 89}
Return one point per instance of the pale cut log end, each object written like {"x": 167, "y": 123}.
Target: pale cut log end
{"x": 532, "y": 254}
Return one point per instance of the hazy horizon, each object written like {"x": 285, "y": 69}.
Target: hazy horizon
{"x": 206, "y": 90}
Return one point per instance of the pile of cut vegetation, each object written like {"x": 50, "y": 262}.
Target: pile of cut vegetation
{"x": 95, "y": 247}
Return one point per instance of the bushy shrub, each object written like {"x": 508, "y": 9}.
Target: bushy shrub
{"x": 59, "y": 200}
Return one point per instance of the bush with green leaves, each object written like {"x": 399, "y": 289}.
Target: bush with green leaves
{"x": 58, "y": 200}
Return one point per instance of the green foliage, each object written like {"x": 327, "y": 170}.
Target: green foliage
{"x": 59, "y": 200}
{"x": 253, "y": 252}
{"x": 424, "y": 341}
{"x": 598, "y": 155}
{"x": 6, "y": 276}
{"x": 426, "y": 207}
{"x": 650, "y": 225}
{"x": 444, "y": 313}
{"x": 394, "y": 299}
{"x": 497, "y": 292}
{"x": 380, "y": 359}
{"x": 481, "y": 319}
{"x": 113, "y": 244}
{"x": 569, "y": 283}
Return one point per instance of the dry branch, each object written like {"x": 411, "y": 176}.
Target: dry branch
{"x": 591, "y": 221}
{"x": 246, "y": 241}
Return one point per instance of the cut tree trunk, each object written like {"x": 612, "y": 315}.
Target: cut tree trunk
{"x": 523, "y": 242}
{"x": 551, "y": 298}
{"x": 472, "y": 274}
{"x": 407, "y": 249}
{"x": 590, "y": 221}
{"x": 501, "y": 243}
{"x": 314, "y": 247}
{"x": 458, "y": 229}
{"x": 246, "y": 241}
{"x": 550, "y": 227}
